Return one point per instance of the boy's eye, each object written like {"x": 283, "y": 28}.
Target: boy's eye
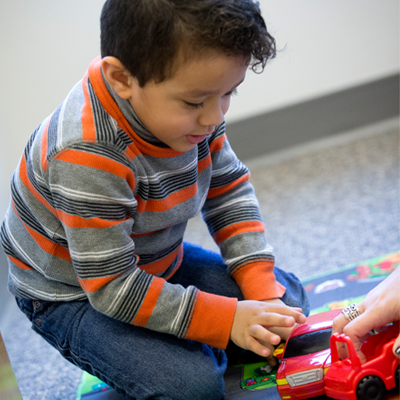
{"x": 200, "y": 105}
{"x": 233, "y": 93}
{"x": 193, "y": 105}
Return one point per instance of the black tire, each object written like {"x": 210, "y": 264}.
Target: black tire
{"x": 397, "y": 377}
{"x": 371, "y": 388}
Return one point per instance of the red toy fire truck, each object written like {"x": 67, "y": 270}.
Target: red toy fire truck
{"x": 310, "y": 364}
{"x": 351, "y": 380}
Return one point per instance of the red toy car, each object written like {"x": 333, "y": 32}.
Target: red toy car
{"x": 306, "y": 358}
{"x": 349, "y": 379}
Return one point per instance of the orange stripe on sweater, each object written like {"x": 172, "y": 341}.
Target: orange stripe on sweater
{"x": 43, "y": 147}
{"x": 74, "y": 221}
{"x": 23, "y": 174}
{"x": 161, "y": 265}
{"x": 218, "y": 143}
{"x": 140, "y": 146}
{"x": 91, "y": 285}
{"x": 88, "y": 127}
{"x": 149, "y": 302}
{"x": 45, "y": 244}
{"x": 166, "y": 204}
{"x": 236, "y": 229}
{"x": 135, "y": 235}
{"x": 178, "y": 264}
{"x": 224, "y": 189}
{"x": 204, "y": 164}
{"x": 19, "y": 263}
{"x": 257, "y": 281}
{"x": 98, "y": 162}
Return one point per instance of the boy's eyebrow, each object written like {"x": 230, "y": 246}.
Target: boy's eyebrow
{"x": 200, "y": 92}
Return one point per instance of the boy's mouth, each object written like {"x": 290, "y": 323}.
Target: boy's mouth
{"x": 196, "y": 139}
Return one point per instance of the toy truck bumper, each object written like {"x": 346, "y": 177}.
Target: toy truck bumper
{"x": 340, "y": 395}
{"x": 300, "y": 392}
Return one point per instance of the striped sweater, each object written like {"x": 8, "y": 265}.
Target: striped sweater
{"x": 98, "y": 211}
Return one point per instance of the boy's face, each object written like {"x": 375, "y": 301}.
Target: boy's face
{"x": 182, "y": 110}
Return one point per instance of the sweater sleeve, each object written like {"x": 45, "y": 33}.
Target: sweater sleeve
{"x": 234, "y": 220}
{"x": 93, "y": 191}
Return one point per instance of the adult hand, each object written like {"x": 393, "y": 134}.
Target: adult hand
{"x": 380, "y": 307}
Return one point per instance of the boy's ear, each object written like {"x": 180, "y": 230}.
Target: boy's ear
{"x": 117, "y": 76}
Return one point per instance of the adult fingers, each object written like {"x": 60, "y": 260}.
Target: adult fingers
{"x": 339, "y": 322}
{"x": 360, "y": 327}
{"x": 358, "y": 330}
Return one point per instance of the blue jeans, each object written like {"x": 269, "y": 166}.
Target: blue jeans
{"x": 137, "y": 362}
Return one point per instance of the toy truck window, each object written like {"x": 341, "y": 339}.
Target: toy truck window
{"x": 308, "y": 343}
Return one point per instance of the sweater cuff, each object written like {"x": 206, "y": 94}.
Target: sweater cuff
{"x": 257, "y": 281}
{"x": 212, "y": 320}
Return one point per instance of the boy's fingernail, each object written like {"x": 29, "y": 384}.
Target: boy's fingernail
{"x": 397, "y": 351}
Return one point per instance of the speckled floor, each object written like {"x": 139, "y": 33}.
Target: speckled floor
{"x": 325, "y": 205}
{"x": 330, "y": 203}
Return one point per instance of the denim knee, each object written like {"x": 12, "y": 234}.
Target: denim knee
{"x": 202, "y": 381}
{"x": 295, "y": 295}
{"x": 194, "y": 380}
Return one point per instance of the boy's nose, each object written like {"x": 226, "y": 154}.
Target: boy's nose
{"x": 210, "y": 129}
{"x": 211, "y": 117}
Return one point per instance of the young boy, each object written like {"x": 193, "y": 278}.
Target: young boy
{"x": 106, "y": 185}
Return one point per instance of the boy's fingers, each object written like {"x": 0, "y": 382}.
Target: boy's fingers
{"x": 297, "y": 309}
{"x": 302, "y": 319}
{"x": 264, "y": 336}
{"x": 273, "y": 319}
{"x": 288, "y": 311}
{"x": 256, "y": 347}
{"x": 272, "y": 361}
{"x": 293, "y": 311}
{"x": 283, "y": 308}
{"x": 284, "y": 314}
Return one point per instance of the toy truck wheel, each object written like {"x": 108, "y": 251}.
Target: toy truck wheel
{"x": 397, "y": 377}
{"x": 371, "y": 388}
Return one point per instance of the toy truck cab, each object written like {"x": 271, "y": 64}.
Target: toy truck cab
{"x": 351, "y": 380}
{"x": 305, "y": 358}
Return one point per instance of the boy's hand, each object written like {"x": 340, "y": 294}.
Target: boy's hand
{"x": 253, "y": 320}
{"x": 283, "y": 332}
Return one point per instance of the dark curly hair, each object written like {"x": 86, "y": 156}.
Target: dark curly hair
{"x": 146, "y": 35}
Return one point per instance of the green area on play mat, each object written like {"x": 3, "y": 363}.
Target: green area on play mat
{"x": 90, "y": 385}
{"x": 254, "y": 377}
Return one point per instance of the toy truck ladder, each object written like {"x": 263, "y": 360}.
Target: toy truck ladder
{"x": 336, "y": 338}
